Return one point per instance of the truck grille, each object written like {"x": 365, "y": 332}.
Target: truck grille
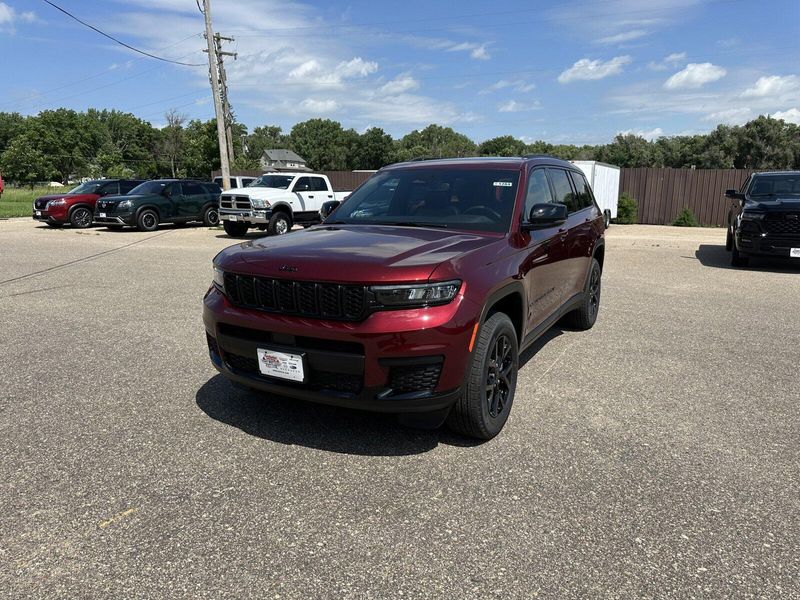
{"x": 303, "y": 298}
{"x": 783, "y": 224}
{"x": 237, "y": 202}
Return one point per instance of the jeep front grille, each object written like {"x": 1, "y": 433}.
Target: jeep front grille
{"x": 302, "y": 298}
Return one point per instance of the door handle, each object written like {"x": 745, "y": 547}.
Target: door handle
{"x": 311, "y": 196}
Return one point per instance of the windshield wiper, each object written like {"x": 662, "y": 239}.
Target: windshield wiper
{"x": 417, "y": 224}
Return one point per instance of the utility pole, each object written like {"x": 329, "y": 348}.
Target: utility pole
{"x": 223, "y": 83}
{"x": 215, "y": 90}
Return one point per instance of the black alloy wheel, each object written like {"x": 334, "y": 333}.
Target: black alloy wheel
{"x": 81, "y": 218}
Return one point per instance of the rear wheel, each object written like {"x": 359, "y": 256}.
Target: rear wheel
{"x": 483, "y": 409}
{"x": 585, "y": 315}
{"x": 234, "y": 229}
{"x": 147, "y": 221}
{"x": 81, "y": 218}
{"x": 737, "y": 259}
{"x": 279, "y": 224}
{"x": 211, "y": 217}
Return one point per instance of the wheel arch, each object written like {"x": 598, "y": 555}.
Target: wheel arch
{"x": 599, "y": 253}
{"x": 145, "y": 207}
{"x": 78, "y": 205}
{"x": 510, "y": 300}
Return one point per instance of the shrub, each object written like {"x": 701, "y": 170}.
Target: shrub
{"x": 627, "y": 209}
{"x": 686, "y": 219}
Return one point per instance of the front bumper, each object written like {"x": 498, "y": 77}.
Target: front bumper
{"x": 50, "y": 216}
{"x": 115, "y": 219}
{"x": 765, "y": 244}
{"x": 357, "y": 365}
{"x": 252, "y": 216}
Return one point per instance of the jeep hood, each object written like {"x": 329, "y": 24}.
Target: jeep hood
{"x": 352, "y": 253}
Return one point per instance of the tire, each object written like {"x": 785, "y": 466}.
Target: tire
{"x": 211, "y": 217}
{"x": 737, "y": 260}
{"x": 234, "y": 229}
{"x": 279, "y": 224}
{"x": 147, "y": 220}
{"x": 607, "y": 218}
{"x": 584, "y": 317}
{"x": 81, "y": 218}
{"x": 483, "y": 409}
{"x": 729, "y": 240}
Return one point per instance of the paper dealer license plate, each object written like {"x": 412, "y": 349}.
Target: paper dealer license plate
{"x": 233, "y": 218}
{"x": 38, "y": 213}
{"x": 102, "y": 215}
{"x": 281, "y": 364}
{"x": 794, "y": 252}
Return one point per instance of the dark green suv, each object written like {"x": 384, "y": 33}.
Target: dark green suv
{"x": 161, "y": 201}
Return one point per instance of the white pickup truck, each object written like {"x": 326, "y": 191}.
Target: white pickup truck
{"x": 275, "y": 202}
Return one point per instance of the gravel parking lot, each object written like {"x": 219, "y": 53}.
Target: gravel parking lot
{"x": 654, "y": 456}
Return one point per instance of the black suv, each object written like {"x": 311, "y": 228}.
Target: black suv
{"x": 161, "y": 201}
{"x": 765, "y": 220}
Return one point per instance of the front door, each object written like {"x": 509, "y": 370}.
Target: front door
{"x": 545, "y": 256}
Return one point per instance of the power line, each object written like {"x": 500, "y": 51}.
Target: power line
{"x": 120, "y": 42}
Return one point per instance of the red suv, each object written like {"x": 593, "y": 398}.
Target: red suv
{"x": 416, "y": 295}
{"x": 77, "y": 205}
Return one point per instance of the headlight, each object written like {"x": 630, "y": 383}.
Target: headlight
{"x": 125, "y": 204}
{"x": 59, "y": 202}
{"x": 426, "y": 294}
{"x": 219, "y": 278}
{"x": 256, "y": 203}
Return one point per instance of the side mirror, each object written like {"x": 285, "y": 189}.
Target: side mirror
{"x": 328, "y": 208}
{"x": 546, "y": 215}
{"x": 733, "y": 194}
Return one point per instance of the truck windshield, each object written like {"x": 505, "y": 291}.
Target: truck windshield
{"x": 477, "y": 199}
{"x": 775, "y": 185}
{"x": 88, "y": 187}
{"x": 148, "y": 187}
{"x": 282, "y": 182}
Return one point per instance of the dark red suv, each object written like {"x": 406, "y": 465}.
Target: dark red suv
{"x": 416, "y": 295}
{"x": 76, "y": 207}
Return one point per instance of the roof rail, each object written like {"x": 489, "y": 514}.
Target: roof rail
{"x": 420, "y": 158}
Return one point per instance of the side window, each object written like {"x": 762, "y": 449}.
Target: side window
{"x": 303, "y": 184}
{"x": 126, "y": 186}
{"x": 234, "y": 183}
{"x": 247, "y": 181}
{"x": 110, "y": 189}
{"x": 212, "y": 189}
{"x": 175, "y": 189}
{"x": 583, "y": 195}
{"x": 191, "y": 188}
{"x": 563, "y": 189}
{"x": 318, "y": 184}
{"x": 538, "y": 191}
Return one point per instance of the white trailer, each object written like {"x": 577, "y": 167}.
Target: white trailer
{"x": 604, "y": 180}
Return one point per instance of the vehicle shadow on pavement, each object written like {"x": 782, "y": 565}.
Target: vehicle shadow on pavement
{"x": 295, "y": 422}
{"x": 712, "y": 255}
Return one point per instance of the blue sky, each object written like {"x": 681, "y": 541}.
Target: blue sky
{"x": 566, "y": 72}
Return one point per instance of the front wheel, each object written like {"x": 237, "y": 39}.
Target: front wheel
{"x": 234, "y": 229}
{"x": 737, "y": 259}
{"x": 211, "y": 217}
{"x": 279, "y": 224}
{"x": 147, "y": 221}
{"x": 585, "y": 315}
{"x": 81, "y": 218}
{"x": 483, "y": 409}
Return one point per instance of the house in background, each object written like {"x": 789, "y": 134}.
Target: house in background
{"x": 282, "y": 159}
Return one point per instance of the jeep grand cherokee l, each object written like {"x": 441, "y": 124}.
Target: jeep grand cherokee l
{"x": 416, "y": 295}
{"x": 76, "y": 207}
{"x": 765, "y": 218}
{"x": 161, "y": 201}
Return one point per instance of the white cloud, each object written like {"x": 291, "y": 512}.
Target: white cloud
{"x": 586, "y": 69}
{"x": 514, "y": 106}
{"x": 519, "y": 85}
{"x": 671, "y": 60}
{"x": 476, "y": 51}
{"x": 695, "y": 75}
{"x": 624, "y": 36}
{"x": 791, "y": 116}
{"x": 356, "y": 67}
{"x": 648, "y": 134}
{"x": 309, "y": 67}
{"x": 774, "y": 85}
{"x": 730, "y": 116}
{"x": 398, "y": 85}
{"x": 9, "y": 17}
{"x": 319, "y": 106}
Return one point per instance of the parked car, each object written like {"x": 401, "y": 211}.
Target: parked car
{"x": 237, "y": 181}
{"x": 76, "y": 207}
{"x": 161, "y": 201}
{"x": 765, "y": 217}
{"x": 275, "y": 202}
{"x": 417, "y": 294}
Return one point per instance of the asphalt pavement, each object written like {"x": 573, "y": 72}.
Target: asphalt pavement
{"x": 655, "y": 456}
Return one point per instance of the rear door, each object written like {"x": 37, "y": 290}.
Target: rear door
{"x": 194, "y": 198}
{"x": 582, "y": 224}
{"x": 172, "y": 202}
{"x": 564, "y": 193}
{"x": 546, "y": 253}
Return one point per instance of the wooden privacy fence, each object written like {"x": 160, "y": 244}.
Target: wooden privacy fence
{"x": 663, "y": 193}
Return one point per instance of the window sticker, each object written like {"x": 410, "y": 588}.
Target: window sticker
{"x": 503, "y": 184}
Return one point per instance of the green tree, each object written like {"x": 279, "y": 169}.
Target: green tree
{"x": 766, "y": 143}
{"x": 11, "y": 125}
{"x": 323, "y": 143}
{"x": 627, "y": 150}
{"x": 373, "y": 149}
{"x": 24, "y": 163}
{"x": 504, "y": 145}
{"x": 435, "y": 141}
{"x": 201, "y": 148}
{"x": 266, "y": 137}
{"x": 172, "y": 139}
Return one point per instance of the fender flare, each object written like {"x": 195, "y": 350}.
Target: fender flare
{"x": 511, "y": 288}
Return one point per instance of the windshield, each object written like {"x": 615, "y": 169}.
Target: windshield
{"x": 775, "y": 185}
{"x": 88, "y": 187}
{"x": 476, "y": 199}
{"x": 273, "y": 181}
{"x": 148, "y": 187}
